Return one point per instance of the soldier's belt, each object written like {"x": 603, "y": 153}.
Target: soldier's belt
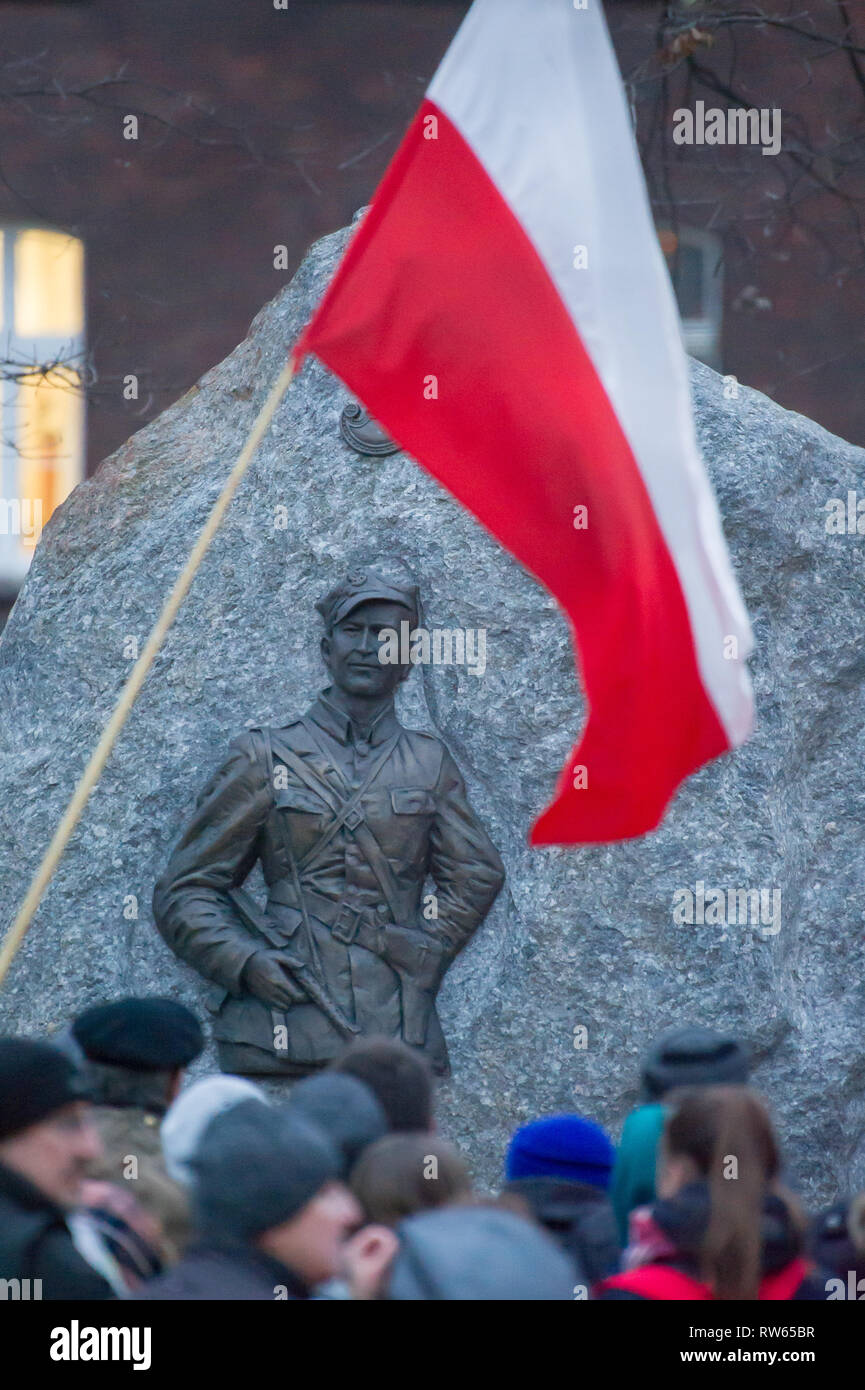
{"x": 356, "y": 925}
{"x": 349, "y": 924}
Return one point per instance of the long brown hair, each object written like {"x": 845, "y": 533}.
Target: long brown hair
{"x": 727, "y": 1133}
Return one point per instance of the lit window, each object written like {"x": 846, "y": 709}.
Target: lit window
{"x": 41, "y": 403}
{"x": 694, "y": 259}
{"x": 49, "y": 427}
{"x": 49, "y": 273}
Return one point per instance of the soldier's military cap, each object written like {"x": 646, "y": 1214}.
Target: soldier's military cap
{"x": 365, "y": 586}
{"x": 142, "y": 1034}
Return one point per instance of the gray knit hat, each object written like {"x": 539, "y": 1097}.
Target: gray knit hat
{"x": 36, "y": 1079}
{"x": 348, "y": 1112}
{"x": 256, "y": 1166}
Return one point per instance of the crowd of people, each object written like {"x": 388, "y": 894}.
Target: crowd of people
{"x": 118, "y": 1180}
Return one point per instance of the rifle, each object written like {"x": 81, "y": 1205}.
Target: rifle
{"x": 257, "y": 921}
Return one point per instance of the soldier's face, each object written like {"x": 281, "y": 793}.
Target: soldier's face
{"x": 351, "y": 650}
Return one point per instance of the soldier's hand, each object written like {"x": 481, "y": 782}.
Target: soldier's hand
{"x": 266, "y": 976}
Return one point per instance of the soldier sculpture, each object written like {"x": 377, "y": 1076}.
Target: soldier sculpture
{"x": 349, "y": 814}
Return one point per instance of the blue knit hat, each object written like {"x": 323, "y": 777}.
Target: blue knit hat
{"x": 562, "y": 1146}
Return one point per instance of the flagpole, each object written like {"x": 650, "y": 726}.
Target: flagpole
{"x": 131, "y": 689}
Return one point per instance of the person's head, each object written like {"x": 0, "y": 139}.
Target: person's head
{"x": 46, "y": 1132}
{"x": 268, "y": 1178}
{"x": 189, "y": 1115}
{"x": 722, "y": 1136}
{"x": 137, "y": 1049}
{"x": 354, "y": 614}
{"x": 345, "y": 1109}
{"x": 693, "y": 1056}
{"x": 313, "y": 1242}
{"x": 476, "y": 1253}
{"x": 398, "y": 1076}
{"x": 568, "y": 1147}
{"x": 405, "y": 1173}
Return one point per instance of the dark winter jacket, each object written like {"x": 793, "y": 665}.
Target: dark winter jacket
{"x": 580, "y": 1219}
{"x": 683, "y": 1220}
{"x": 36, "y": 1244}
{"x": 225, "y": 1270}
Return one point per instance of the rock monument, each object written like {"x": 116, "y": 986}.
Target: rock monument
{"x": 745, "y": 910}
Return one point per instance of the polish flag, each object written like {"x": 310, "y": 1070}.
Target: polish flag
{"x": 505, "y": 312}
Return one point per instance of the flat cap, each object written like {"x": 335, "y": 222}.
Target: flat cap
{"x": 148, "y": 1034}
{"x": 365, "y": 586}
{"x": 693, "y": 1056}
{"x": 35, "y": 1080}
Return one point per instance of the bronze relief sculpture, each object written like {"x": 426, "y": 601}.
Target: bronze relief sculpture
{"x": 364, "y": 434}
{"x": 349, "y": 814}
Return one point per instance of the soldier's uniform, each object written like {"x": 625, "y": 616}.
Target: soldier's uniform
{"x": 347, "y": 829}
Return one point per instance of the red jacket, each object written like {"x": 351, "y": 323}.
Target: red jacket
{"x": 662, "y": 1281}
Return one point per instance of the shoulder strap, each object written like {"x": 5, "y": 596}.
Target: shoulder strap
{"x": 312, "y": 735}
{"x": 348, "y": 806}
{"x": 377, "y": 860}
{"x": 309, "y": 777}
{"x": 361, "y": 831}
{"x": 264, "y": 739}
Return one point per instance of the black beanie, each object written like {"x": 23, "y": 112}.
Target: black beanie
{"x": 256, "y": 1165}
{"x": 148, "y": 1034}
{"x": 693, "y": 1056}
{"x": 35, "y": 1080}
{"x": 346, "y": 1109}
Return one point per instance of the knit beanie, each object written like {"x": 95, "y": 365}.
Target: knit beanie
{"x": 35, "y": 1080}
{"x": 187, "y": 1118}
{"x": 561, "y": 1146}
{"x": 256, "y": 1167}
{"x": 346, "y": 1109}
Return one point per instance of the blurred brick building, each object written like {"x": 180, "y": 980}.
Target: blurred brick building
{"x": 174, "y": 145}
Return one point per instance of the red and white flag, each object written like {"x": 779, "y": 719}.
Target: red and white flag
{"x": 505, "y": 312}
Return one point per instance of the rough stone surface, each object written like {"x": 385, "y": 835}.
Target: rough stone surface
{"x": 581, "y": 937}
